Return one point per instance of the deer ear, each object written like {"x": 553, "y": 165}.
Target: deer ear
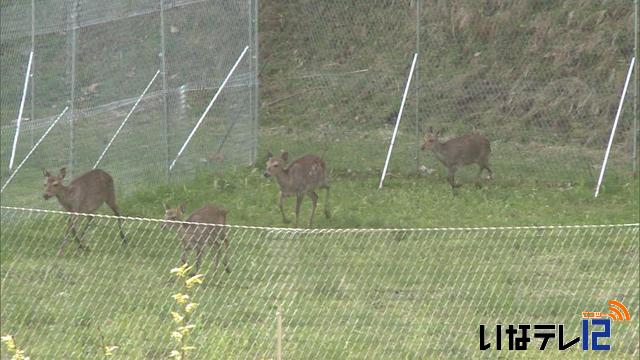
{"x": 269, "y": 155}
{"x": 285, "y": 156}
{"x": 63, "y": 172}
{"x": 46, "y": 172}
{"x": 183, "y": 207}
{"x": 164, "y": 205}
{"x": 430, "y": 130}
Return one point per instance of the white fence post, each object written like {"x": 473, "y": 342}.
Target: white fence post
{"x": 634, "y": 156}
{"x": 19, "y": 121}
{"x": 615, "y": 126}
{"x": 165, "y": 103}
{"x": 395, "y": 130}
{"x": 34, "y": 148}
{"x": 125, "y": 120}
{"x": 206, "y": 111}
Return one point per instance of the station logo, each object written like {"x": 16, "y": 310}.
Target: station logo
{"x": 596, "y": 328}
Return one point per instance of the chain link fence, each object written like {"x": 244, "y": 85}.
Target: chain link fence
{"x": 387, "y": 293}
{"x": 541, "y": 81}
{"x": 98, "y": 57}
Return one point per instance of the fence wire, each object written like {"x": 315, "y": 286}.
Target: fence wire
{"x": 351, "y": 293}
{"x": 507, "y": 70}
{"x": 98, "y": 56}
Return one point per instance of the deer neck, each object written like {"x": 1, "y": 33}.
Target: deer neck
{"x": 65, "y": 198}
{"x": 439, "y": 150}
{"x": 284, "y": 180}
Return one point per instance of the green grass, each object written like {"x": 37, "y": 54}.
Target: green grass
{"x": 405, "y": 201}
{"x": 344, "y": 295}
{"x": 387, "y": 294}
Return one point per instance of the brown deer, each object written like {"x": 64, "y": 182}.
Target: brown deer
{"x": 303, "y": 176}
{"x": 461, "y": 151}
{"x": 85, "y": 194}
{"x": 197, "y": 237}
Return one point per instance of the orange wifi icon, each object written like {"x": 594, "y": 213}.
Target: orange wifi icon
{"x": 618, "y": 311}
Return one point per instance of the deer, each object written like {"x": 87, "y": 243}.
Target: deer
{"x": 460, "y": 151}
{"x": 85, "y": 194}
{"x": 197, "y": 237}
{"x": 303, "y": 176}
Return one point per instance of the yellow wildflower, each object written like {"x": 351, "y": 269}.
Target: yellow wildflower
{"x": 181, "y": 298}
{"x": 177, "y": 336}
{"x": 177, "y": 317}
{"x": 108, "y": 350}
{"x": 186, "y": 349}
{"x": 190, "y": 307}
{"x": 9, "y": 342}
{"x": 194, "y": 280}
{"x": 182, "y": 271}
{"x": 186, "y": 329}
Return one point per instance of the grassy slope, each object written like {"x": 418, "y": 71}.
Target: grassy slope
{"x": 584, "y": 45}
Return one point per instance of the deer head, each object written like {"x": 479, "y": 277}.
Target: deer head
{"x": 431, "y": 138}
{"x": 53, "y": 184}
{"x": 174, "y": 214}
{"x": 276, "y": 164}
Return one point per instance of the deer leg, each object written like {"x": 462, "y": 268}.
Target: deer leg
{"x": 185, "y": 248}
{"x": 71, "y": 230}
{"x": 299, "y": 198}
{"x": 199, "y": 252}
{"x": 225, "y": 242}
{"x": 66, "y": 235}
{"x": 78, "y": 238}
{"x": 314, "y": 203}
{"x": 217, "y": 248}
{"x": 183, "y": 256}
{"x": 479, "y": 177}
{"x": 451, "y": 178}
{"x": 490, "y": 177}
{"x": 84, "y": 231}
{"x": 282, "y": 197}
{"x": 327, "y": 212}
{"x": 112, "y": 204}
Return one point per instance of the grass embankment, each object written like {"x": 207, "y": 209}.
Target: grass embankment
{"x": 344, "y": 294}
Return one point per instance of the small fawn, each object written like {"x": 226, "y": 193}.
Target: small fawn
{"x": 85, "y": 194}
{"x": 303, "y": 176}
{"x": 461, "y": 151}
{"x": 197, "y": 237}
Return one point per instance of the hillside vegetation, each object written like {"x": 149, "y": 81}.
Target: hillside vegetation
{"x": 555, "y": 67}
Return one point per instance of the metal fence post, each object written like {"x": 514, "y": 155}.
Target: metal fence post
{"x": 255, "y": 114}
{"x": 32, "y": 115}
{"x": 416, "y": 84}
{"x": 634, "y": 156}
{"x": 72, "y": 113}
{"x": 165, "y": 105}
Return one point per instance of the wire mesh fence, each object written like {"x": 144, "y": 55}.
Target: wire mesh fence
{"x": 97, "y": 57}
{"x": 333, "y": 72}
{"x": 521, "y": 73}
{"x": 365, "y": 293}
